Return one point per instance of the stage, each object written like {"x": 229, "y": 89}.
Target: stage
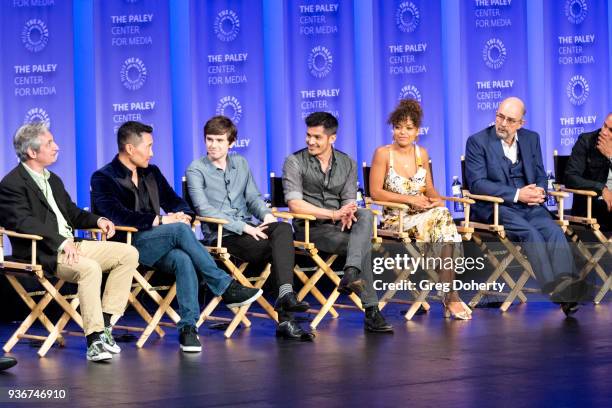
{"x": 530, "y": 356}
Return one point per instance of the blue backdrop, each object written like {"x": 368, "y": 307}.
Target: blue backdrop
{"x": 86, "y": 65}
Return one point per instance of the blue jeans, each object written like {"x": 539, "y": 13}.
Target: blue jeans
{"x": 174, "y": 248}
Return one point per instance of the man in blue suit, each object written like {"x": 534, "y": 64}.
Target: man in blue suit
{"x": 505, "y": 161}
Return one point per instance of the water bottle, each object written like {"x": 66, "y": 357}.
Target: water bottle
{"x": 456, "y": 188}
{"x": 267, "y": 200}
{"x": 550, "y": 200}
{"x": 360, "y": 196}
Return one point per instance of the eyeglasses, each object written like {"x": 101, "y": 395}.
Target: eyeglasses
{"x": 511, "y": 121}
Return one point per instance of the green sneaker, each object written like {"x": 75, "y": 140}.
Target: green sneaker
{"x": 97, "y": 352}
{"x": 107, "y": 340}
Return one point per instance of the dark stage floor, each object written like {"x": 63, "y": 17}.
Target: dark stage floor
{"x": 528, "y": 357}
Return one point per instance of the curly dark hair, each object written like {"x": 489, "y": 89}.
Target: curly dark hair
{"x": 407, "y": 109}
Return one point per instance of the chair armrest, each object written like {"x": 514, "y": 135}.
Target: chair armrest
{"x": 14, "y": 234}
{"x": 283, "y": 215}
{"x": 559, "y": 194}
{"x": 459, "y": 200}
{"x": 212, "y": 220}
{"x": 588, "y": 193}
{"x": 390, "y": 204}
{"x": 303, "y": 216}
{"x": 487, "y": 198}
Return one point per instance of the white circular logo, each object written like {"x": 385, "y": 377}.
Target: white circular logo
{"x": 410, "y": 92}
{"x": 320, "y": 61}
{"x": 227, "y": 25}
{"x": 133, "y": 73}
{"x": 494, "y": 53}
{"x": 407, "y": 17}
{"x": 230, "y": 106}
{"x": 577, "y": 90}
{"x": 35, "y": 35}
{"x": 37, "y": 115}
{"x": 576, "y": 11}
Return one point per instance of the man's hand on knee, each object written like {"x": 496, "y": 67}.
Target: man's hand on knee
{"x": 71, "y": 253}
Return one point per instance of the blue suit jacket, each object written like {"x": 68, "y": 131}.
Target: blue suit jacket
{"x": 487, "y": 173}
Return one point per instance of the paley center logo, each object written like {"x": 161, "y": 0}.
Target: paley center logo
{"x": 320, "y": 61}
{"x": 35, "y": 35}
{"x": 133, "y": 73}
{"x": 576, "y": 11}
{"x": 410, "y": 92}
{"x": 227, "y": 25}
{"x": 577, "y": 90}
{"x": 37, "y": 115}
{"x": 494, "y": 53}
{"x": 230, "y": 106}
{"x": 407, "y": 17}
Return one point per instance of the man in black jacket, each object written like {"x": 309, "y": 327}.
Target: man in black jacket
{"x": 33, "y": 200}
{"x": 590, "y": 168}
{"x": 131, "y": 192}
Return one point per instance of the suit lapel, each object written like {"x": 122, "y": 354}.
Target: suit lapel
{"x": 524, "y": 149}
{"x": 33, "y": 186}
{"x": 495, "y": 145}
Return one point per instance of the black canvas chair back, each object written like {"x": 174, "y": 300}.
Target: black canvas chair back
{"x": 560, "y": 164}
{"x": 277, "y": 194}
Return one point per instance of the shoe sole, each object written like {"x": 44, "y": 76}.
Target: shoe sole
{"x": 373, "y": 330}
{"x": 111, "y": 349}
{"x": 101, "y": 357}
{"x": 246, "y": 302}
{"x": 191, "y": 349}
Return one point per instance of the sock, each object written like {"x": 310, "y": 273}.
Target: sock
{"x": 93, "y": 337}
{"x": 370, "y": 309}
{"x": 284, "y": 289}
{"x": 107, "y": 319}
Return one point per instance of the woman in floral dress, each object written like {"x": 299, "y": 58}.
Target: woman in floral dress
{"x": 400, "y": 174}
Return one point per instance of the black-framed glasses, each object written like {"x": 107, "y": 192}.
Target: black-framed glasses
{"x": 508, "y": 120}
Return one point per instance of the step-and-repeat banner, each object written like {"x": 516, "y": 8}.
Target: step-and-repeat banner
{"x": 407, "y": 43}
{"x": 493, "y": 60}
{"x": 37, "y": 78}
{"x": 227, "y": 48}
{"x": 576, "y": 43}
{"x": 133, "y": 75}
{"x": 320, "y": 61}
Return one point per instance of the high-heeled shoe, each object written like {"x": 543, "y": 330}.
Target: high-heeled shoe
{"x": 465, "y": 314}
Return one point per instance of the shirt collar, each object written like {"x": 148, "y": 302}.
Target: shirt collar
{"x": 315, "y": 160}
{"x": 515, "y": 141}
{"x": 35, "y": 175}
{"x": 231, "y": 163}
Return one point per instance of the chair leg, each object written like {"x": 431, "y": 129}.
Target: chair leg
{"x": 515, "y": 291}
{"x": 59, "y": 326}
{"x": 313, "y": 289}
{"x": 159, "y": 313}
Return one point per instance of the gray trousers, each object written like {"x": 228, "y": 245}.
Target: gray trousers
{"x": 355, "y": 244}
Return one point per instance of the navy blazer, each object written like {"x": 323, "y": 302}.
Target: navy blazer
{"x": 24, "y": 208}
{"x": 487, "y": 173}
{"x": 114, "y": 195}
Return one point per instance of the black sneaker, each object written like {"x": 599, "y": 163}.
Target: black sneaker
{"x": 237, "y": 295}
{"x": 189, "y": 339}
{"x": 375, "y": 322}
{"x": 351, "y": 282}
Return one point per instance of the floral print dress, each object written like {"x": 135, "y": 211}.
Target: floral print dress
{"x": 434, "y": 225}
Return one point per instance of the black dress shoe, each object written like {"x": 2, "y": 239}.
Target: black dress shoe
{"x": 351, "y": 282}
{"x": 570, "y": 290}
{"x": 375, "y": 322}
{"x": 292, "y": 331}
{"x": 6, "y": 363}
{"x": 569, "y": 308}
{"x": 289, "y": 303}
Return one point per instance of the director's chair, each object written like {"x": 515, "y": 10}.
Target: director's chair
{"x": 221, "y": 254}
{"x": 588, "y": 223}
{"x": 495, "y": 232}
{"x": 14, "y": 270}
{"x": 412, "y": 247}
{"x": 323, "y": 266}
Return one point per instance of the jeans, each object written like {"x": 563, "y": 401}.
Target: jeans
{"x": 174, "y": 248}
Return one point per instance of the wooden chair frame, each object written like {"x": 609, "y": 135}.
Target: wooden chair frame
{"x": 221, "y": 254}
{"x": 419, "y": 296}
{"x": 15, "y": 269}
{"x": 589, "y": 223}
{"x": 323, "y": 266}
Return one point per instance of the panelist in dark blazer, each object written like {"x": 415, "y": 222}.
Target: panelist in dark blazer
{"x": 505, "y": 161}
{"x": 33, "y": 200}
{"x": 590, "y": 168}
{"x": 131, "y": 192}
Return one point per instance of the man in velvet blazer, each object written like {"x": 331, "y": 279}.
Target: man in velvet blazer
{"x": 505, "y": 161}
{"x": 590, "y": 168}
